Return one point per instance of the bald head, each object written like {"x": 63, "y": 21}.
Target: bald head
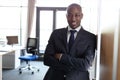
{"x": 74, "y": 5}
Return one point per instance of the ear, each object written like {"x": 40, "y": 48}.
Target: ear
{"x": 81, "y": 15}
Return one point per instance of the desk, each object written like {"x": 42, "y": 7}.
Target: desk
{"x": 9, "y": 59}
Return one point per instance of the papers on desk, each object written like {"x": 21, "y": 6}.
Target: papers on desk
{"x": 5, "y": 49}
{"x": 9, "y": 48}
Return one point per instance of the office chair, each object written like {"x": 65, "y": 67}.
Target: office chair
{"x": 31, "y": 55}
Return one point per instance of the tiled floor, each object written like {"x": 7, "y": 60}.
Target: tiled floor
{"x": 26, "y": 75}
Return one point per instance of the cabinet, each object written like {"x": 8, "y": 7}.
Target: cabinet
{"x": 110, "y": 44}
{"x": 0, "y": 67}
{"x": 11, "y": 60}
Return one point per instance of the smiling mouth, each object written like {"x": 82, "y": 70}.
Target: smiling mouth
{"x": 73, "y": 23}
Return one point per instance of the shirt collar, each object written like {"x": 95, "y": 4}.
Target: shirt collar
{"x": 77, "y": 29}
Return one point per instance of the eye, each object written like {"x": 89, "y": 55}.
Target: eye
{"x": 73, "y": 15}
{"x": 70, "y": 15}
{"x": 77, "y": 15}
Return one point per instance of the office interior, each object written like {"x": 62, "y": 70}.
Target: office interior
{"x": 38, "y": 18}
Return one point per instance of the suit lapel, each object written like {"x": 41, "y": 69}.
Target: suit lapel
{"x": 79, "y": 36}
{"x": 64, "y": 38}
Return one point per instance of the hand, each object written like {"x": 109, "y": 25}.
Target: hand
{"x": 58, "y": 55}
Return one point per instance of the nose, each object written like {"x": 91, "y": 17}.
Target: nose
{"x": 73, "y": 18}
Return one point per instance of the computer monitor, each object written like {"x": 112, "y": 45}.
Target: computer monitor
{"x": 11, "y": 40}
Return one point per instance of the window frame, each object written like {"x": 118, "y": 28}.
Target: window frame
{"x": 38, "y": 9}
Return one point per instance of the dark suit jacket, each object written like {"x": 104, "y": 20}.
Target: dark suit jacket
{"x": 73, "y": 65}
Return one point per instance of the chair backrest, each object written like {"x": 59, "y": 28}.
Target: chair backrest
{"x": 32, "y": 46}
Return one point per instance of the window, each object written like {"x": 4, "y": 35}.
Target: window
{"x": 46, "y": 27}
{"x": 47, "y": 23}
{"x": 52, "y": 15}
{"x": 13, "y": 18}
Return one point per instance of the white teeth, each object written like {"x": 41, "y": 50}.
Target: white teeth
{"x": 74, "y": 23}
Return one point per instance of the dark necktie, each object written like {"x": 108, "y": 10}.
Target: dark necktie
{"x": 71, "y": 39}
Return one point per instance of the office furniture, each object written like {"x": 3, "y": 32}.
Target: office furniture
{"x": 9, "y": 58}
{"x": 11, "y": 61}
{"x": 31, "y": 55}
{"x": 0, "y": 66}
{"x": 110, "y": 43}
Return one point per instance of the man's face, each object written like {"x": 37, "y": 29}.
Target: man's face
{"x": 74, "y": 17}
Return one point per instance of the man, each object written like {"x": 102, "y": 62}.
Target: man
{"x": 69, "y": 61}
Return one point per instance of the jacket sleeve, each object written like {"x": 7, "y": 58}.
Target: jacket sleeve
{"x": 49, "y": 58}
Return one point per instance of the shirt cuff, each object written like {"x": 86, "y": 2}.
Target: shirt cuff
{"x": 60, "y": 57}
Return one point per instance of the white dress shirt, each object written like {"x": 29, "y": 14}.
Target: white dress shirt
{"x": 75, "y": 34}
